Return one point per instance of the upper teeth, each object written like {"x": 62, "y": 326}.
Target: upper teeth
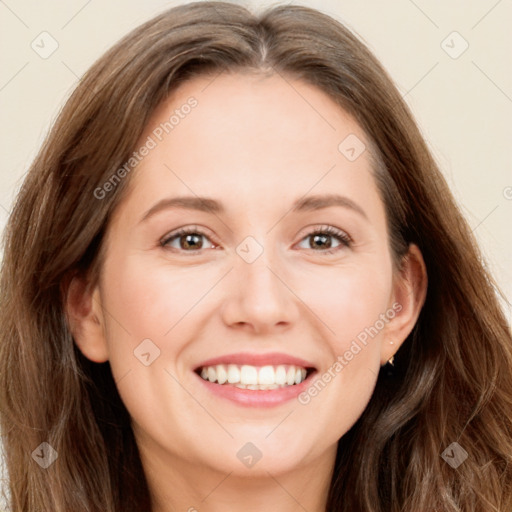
{"x": 248, "y": 375}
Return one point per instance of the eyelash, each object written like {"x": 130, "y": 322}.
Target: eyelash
{"x": 342, "y": 237}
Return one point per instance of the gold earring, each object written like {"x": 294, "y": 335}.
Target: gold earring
{"x": 392, "y": 359}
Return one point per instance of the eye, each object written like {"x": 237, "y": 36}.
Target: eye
{"x": 322, "y": 237}
{"x": 188, "y": 239}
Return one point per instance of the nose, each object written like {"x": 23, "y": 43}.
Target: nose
{"x": 258, "y": 297}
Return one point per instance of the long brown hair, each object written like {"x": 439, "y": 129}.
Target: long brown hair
{"x": 452, "y": 379}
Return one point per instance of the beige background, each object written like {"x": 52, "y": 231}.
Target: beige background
{"x": 463, "y": 105}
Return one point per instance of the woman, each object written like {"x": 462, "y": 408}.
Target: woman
{"x": 171, "y": 339}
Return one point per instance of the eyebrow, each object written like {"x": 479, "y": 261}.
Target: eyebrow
{"x": 206, "y": 204}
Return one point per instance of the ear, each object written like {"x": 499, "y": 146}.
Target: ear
{"x": 85, "y": 318}
{"x": 409, "y": 293}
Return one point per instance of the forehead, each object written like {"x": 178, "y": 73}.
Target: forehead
{"x": 253, "y": 136}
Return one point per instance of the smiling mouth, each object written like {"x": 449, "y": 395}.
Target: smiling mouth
{"x": 255, "y": 377}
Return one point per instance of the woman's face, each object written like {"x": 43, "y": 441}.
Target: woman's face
{"x": 252, "y": 285}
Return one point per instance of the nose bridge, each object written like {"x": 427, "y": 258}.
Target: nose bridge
{"x": 257, "y": 269}
{"x": 259, "y": 295}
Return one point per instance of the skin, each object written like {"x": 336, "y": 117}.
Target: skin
{"x": 256, "y": 144}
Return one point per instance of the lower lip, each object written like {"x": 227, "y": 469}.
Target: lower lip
{"x": 255, "y": 397}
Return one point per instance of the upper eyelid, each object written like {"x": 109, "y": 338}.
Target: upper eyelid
{"x": 321, "y": 228}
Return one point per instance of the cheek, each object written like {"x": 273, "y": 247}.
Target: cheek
{"x": 150, "y": 317}
{"x": 149, "y": 300}
{"x": 150, "y": 295}
{"x": 345, "y": 384}
{"x": 349, "y": 301}
{"x": 350, "y": 305}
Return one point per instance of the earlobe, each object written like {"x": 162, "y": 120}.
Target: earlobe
{"x": 409, "y": 291}
{"x": 85, "y": 318}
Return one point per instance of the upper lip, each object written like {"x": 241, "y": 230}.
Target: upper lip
{"x": 271, "y": 358}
